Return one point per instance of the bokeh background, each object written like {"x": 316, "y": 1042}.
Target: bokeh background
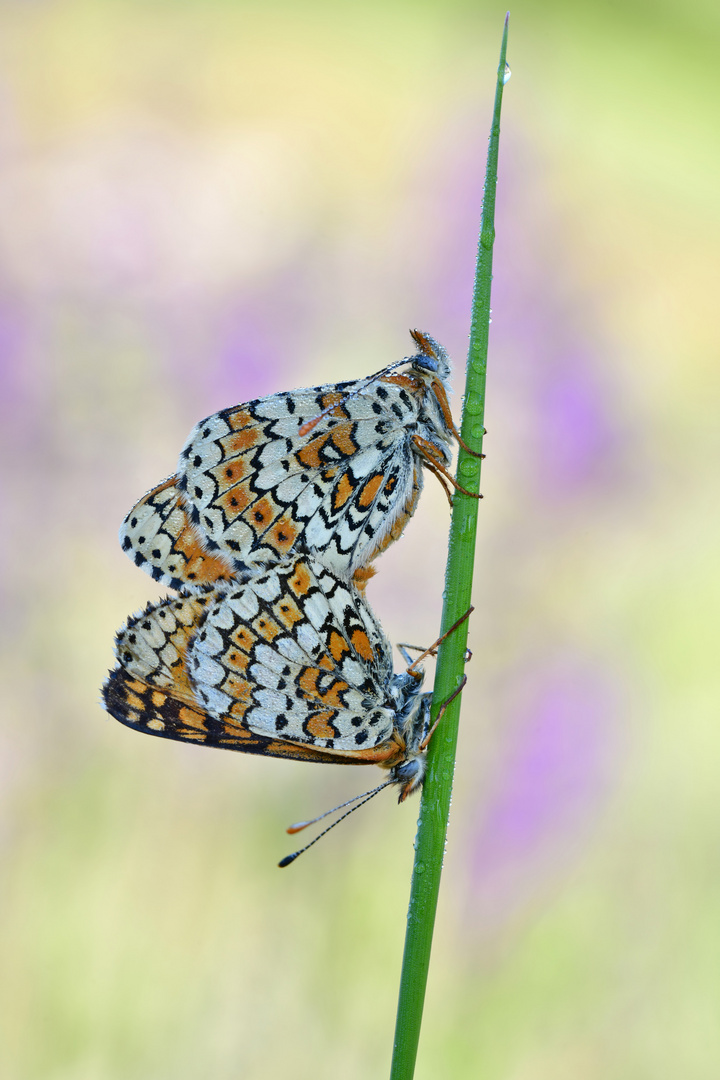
{"x": 203, "y": 202}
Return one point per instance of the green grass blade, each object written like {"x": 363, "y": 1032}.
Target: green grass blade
{"x": 435, "y": 804}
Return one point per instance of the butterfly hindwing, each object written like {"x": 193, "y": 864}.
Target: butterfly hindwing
{"x": 297, "y": 654}
{"x": 292, "y": 658}
{"x": 162, "y": 712}
{"x": 159, "y": 537}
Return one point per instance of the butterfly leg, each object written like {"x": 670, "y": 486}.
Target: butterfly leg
{"x": 434, "y": 647}
{"x": 431, "y": 468}
{"x": 443, "y": 707}
{"x": 431, "y": 458}
{"x": 403, "y": 646}
{"x": 439, "y": 391}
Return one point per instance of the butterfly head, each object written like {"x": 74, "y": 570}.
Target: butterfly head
{"x": 431, "y": 358}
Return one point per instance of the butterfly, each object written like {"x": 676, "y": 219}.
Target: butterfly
{"x": 333, "y": 471}
{"x": 292, "y": 663}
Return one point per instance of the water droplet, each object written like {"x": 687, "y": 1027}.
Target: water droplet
{"x": 473, "y": 404}
{"x": 477, "y": 432}
{"x": 507, "y": 74}
{"x": 420, "y": 868}
{"x": 469, "y": 468}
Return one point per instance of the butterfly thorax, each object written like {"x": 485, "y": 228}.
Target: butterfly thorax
{"x": 410, "y": 724}
{"x": 429, "y": 422}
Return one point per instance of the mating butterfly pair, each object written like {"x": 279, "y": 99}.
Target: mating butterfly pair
{"x": 267, "y": 532}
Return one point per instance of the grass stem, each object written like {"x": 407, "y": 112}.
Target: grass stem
{"x": 435, "y": 801}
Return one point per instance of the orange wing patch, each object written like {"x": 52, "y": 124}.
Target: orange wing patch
{"x": 282, "y": 535}
{"x": 159, "y": 536}
{"x": 235, "y": 718}
{"x": 300, "y": 582}
{"x": 229, "y": 473}
{"x": 268, "y": 629}
{"x": 233, "y": 446}
{"x": 287, "y": 612}
{"x": 368, "y": 493}
{"x": 407, "y": 382}
{"x": 308, "y": 683}
{"x": 244, "y": 638}
{"x": 234, "y": 502}
{"x": 235, "y": 660}
{"x": 262, "y": 514}
{"x": 338, "y": 646}
{"x": 237, "y": 688}
{"x": 333, "y": 398}
{"x": 342, "y": 437}
{"x": 362, "y": 646}
{"x": 201, "y": 568}
{"x": 361, "y": 577}
{"x": 191, "y": 718}
{"x": 309, "y": 455}
{"x": 319, "y": 727}
{"x": 342, "y": 492}
{"x": 239, "y": 419}
{"x": 135, "y": 701}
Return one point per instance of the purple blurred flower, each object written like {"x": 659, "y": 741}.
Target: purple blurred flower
{"x": 552, "y": 785}
{"x": 577, "y": 431}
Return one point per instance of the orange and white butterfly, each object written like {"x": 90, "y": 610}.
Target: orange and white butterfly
{"x": 291, "y": 664}
{"x": 334, "y": 471}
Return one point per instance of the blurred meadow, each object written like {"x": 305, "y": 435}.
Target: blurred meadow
{"x": 201, "y": 203}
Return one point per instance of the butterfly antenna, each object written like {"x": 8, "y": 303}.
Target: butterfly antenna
{"x": 308, "y": 426}
{"x": 301, "y": 825}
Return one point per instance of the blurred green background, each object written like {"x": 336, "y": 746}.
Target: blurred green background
{"x": 203, "y": 202}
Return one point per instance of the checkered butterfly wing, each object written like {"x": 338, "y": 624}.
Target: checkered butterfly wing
{"x": 149, "y": 690}
{"x": 252, "y": 489}
{"x": 259, "y": 485}
{"x": 158, "y": 536}
{"x": 291, "y": 664}
{"x": 296, "y": 654}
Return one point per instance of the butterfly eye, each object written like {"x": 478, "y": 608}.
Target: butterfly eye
{"x": 425, "y": 363}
